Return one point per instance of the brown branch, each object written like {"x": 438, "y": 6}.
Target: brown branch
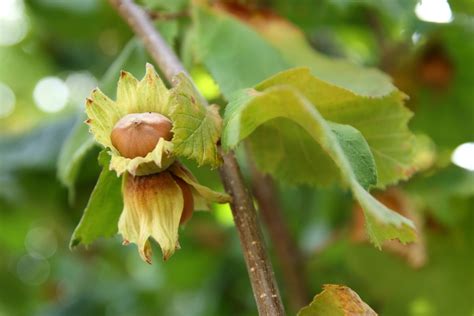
{"x": 259, "y": 266}
{"x": 286, "y": 249}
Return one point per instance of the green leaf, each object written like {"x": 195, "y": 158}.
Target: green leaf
{"x": 296, "y": 50}
{"x": 383, "y": 121}
{"x": 100, "y": 218}
{"x": 364, "y": 98}
{"x": 268, "y": 106}
{"x": 337, "y": 300}
{"x": 196, "y": 127}
{"x": 271, "y": 44}
{"x": 74, "y": 149}
{"x": 235, "y": 55}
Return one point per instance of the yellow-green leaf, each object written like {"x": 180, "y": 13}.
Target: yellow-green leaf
{"x": 343, "y": 92}
{"x": 351, "y": 162}
{"x": 337, "y": 300}
{"x": 383, "y": 121}
{"x": 196, "y": 127}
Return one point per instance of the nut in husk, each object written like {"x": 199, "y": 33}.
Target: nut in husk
{"x": 155, "y": 205}
{"x": 137, "y": 134}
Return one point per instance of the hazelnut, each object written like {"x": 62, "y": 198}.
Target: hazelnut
{"x": 136, "y": 134}
{"x": 188, "y": 207}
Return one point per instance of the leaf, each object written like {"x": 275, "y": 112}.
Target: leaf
{"x": 345, "y": 145}
{"x": 383, "y": 121}
{"x": 74, "y": 149}
{"x": 337, "y": 300}
{"x": 196, "y": 127}
{"x": 364, "y": 98}
{"x": 271, "y": 44}
{"x": 235, "y": 55}
{"x": 100, "y": 218}
{"x": 296, "y": 50}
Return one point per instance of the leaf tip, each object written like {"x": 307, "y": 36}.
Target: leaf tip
{"x": 74, "y": 243}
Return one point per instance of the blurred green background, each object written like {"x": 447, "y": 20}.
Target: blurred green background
{"x": 54, "y": 52}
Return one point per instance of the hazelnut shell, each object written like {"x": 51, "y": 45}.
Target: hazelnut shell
{"x": 136, "y": 134}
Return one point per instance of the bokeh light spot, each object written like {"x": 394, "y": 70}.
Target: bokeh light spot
{"x": 13, "y": 22}
{"x": 51, "y": 94}
{"x": 205, "y": 83}
{"x": 40, "y": 242}
{"x": 415, "y": 37}
{"x": 436, "y": 11}
{"x": 7, "y": 100}
{"x": 33, "y": 271}
{"x": 421, "y": 307}
{"x": 463, "y": 156}
{"x": 80, "y": 85}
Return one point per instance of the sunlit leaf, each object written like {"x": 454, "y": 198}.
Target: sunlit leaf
{"x": 343, "y": 92}
{"x": 296, "y": 50}
{"x": 235, "y": 55}
{"x": 337, "y": 300}
{"x": 196, "y": 127}
{"x": 281, "y": 98}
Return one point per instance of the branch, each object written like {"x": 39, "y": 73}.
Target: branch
{"x": 165, "y": 16}
{"x": 259, "y": 266}
{"x": 286, "y": 249}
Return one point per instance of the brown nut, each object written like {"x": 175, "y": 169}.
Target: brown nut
{"x": 136, "y": 134}
{"x": 188, "y": 207}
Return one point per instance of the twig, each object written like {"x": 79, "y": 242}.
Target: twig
{"x": 259, "y": 267}
{"x": 285, "y": 248}
{"x": 166, "y": 16}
